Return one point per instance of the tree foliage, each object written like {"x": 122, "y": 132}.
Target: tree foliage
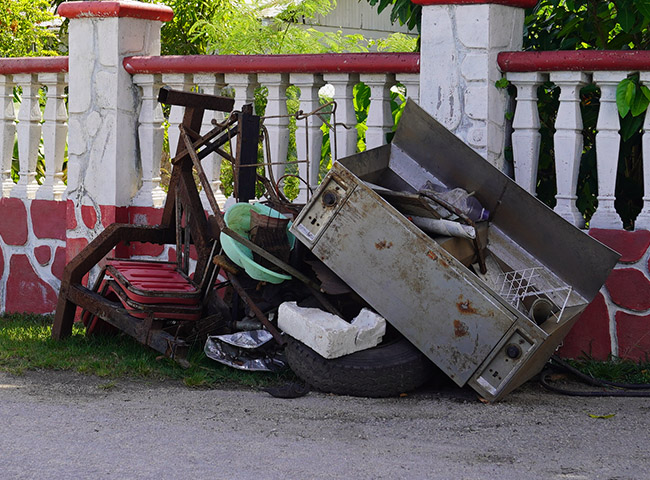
{"x": 588, "y": 24}
{"x": 404, "y": 12}
{"x": 24, "y": 28}
{"x": 258, "y": 27}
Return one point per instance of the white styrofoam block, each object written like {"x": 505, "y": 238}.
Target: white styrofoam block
{"x": 371, "y": 328}
{"x": 329, "y": 335}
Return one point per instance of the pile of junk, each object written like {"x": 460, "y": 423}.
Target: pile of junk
{"x": 414, "y": 260}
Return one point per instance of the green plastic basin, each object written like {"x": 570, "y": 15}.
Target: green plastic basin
{"x": 238, "y": 218}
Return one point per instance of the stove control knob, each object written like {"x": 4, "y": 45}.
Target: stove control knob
{"x": 513, "y": 351}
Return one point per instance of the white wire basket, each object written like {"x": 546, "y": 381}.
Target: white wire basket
{"x": 521, "y": 288}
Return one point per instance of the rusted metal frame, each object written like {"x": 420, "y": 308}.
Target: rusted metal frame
{"x": 211, "y": 141}
{"x": 205, "y": 183}
{"x": 255, "y": 309}
{"x": 276, "y": 196}
{"x": 245, "y": 241}
{"x": 178, "y": 213}
{"x": 247, "y": 148}
{"x": 210, "y": 272}
{"x": 315, "y": 288}
{"x": 119, "y": 317}
{"x": 192, "y": 120}
{"x": 97, "y": 285}
{"x": 204, "y": 265}
{"x": 226, "y": 135}
{"x": 197, "y": 220}
{"x": 203, "y": 101}
{"x": 477, "y": 242}
{"x": 89, "y": 257}
{"x": 187, "y": 239}
{"x": 272, "y": 188}
{"x": 111, "y": 236}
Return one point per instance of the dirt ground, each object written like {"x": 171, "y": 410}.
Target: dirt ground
{"x": 62, "y": 425}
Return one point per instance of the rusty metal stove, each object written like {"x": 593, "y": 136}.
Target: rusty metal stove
{"x": 477, "y": 328}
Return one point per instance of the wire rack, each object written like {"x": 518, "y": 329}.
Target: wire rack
{"x": 532, "y": 283}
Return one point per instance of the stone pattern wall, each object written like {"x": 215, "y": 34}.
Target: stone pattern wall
{"x": 617, "y": 322}
{"x": 32, "y": 254}
{"x": 39, "y": 237}
{"x": 457, "y": 83}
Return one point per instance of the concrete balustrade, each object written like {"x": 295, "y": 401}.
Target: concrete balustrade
{"x": 30, "y": 134}
{"x": 570, "y": 72}
{"x": 241, "y": 76}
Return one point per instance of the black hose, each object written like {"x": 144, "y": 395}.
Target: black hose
{"x": 623, "y": 388}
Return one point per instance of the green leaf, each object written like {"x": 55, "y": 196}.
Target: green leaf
{"x": 639, "y": 104}
{"x": 643, "y": 6}
{"x": 624, "y": 96}
{"x": 383, "y": 4}
{"x": 646, "y": 91}
{"x": 630, "y": 126}
{"x": 611, "y": 415}
{"x": 502, "y": 83}
{"x": 626, "y": 19}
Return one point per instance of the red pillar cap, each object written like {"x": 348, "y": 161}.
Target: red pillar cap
{"x": 510, "y": 3}
{"x": 146, "y": 11}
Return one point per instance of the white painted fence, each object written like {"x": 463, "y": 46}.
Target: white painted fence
{"x": 30, "y": 131}
{"x": 570, "y": 72}
{"x": 45, "y": 129}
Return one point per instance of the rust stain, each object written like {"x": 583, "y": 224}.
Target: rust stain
{"x": 465, "y": 307}
{"x": 460, "y": 329}
{"x": 432, "y": 255}
{"x": 383, "y": 244}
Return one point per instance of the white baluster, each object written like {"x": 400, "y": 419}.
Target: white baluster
{"x": 29, "y": 135}
{"x": 643, "y": 220}
{"x": 176, "y": 81}
{"x": 346, "y": 118}
{"x": 151, "y": 136}
{"x": 309, "y": 136}
{"x": 567, "y": 143}
{"x": 211, "y": 84}
{"x": 244, "y": 85}
{"x": 7, "y": 131}
{"x": 607, "y": 149}
{"x": 526, "y": 137}
{"x": 277, "y": 127}
{"x": 380, "y": 119}
{"x": 55, "y": 135}
{"x": 412, "y": 83}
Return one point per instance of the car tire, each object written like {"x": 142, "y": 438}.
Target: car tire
{"x": 389, "y": 369}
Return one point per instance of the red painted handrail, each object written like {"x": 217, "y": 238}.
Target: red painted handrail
{"x": 511, "y": 3}
{"x": 309, "y": 63}
{"x": 33, "y": 65}
{"x": 575, "y": 60}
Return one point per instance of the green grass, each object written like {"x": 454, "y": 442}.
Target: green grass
{"x": 615, "y": 370}
{"x": 26, "y": 344}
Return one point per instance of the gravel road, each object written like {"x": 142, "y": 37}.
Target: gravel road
{"x": 57, "y": 425}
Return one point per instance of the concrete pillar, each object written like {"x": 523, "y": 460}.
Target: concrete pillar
{"x": 458, "y": 67}
{"x": 103, "y": 166}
